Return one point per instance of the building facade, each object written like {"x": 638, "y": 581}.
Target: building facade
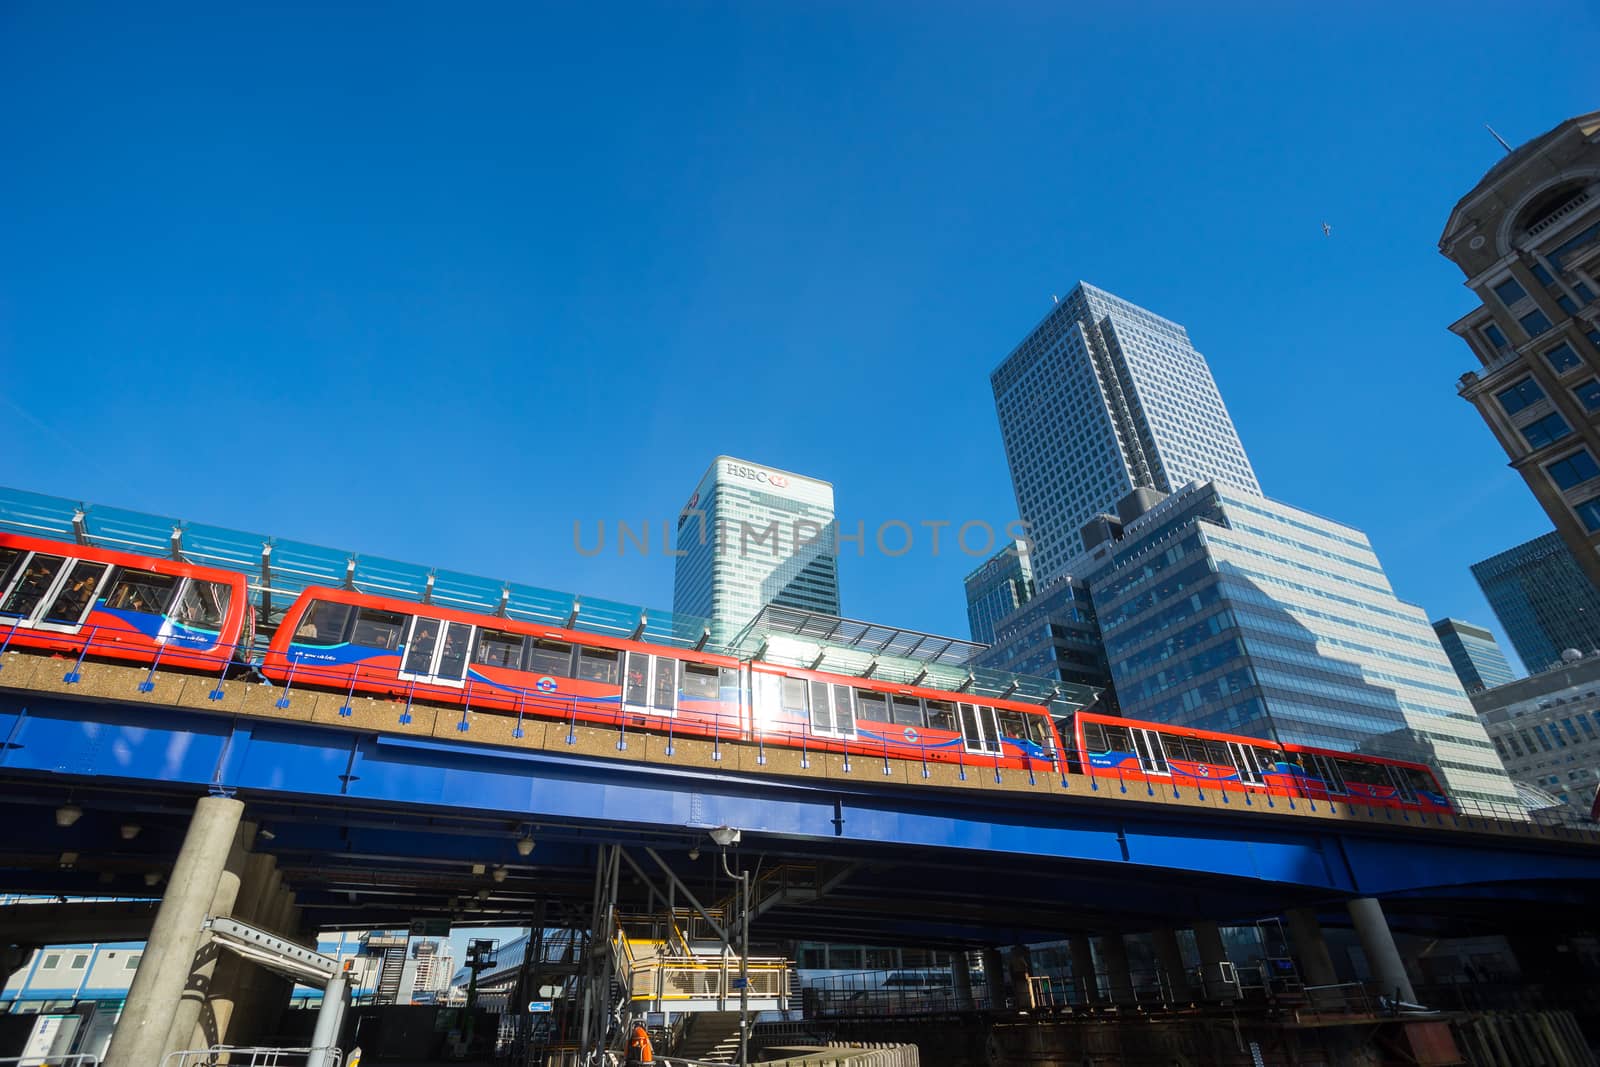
{"x": 1103, "y": 397}
{"x": 1527, "y": 237}
{"x": 1054, "y": 635}
{"x": 999, "y": 586}
{"x": 1546, "y": 728}
{"x": 752, "y": 536}
{"x": 1474, "y": 654}
{"x": 1226, "y": 611}
{"x": 1544, "y": 601}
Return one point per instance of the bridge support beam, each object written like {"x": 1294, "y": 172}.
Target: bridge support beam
{"x": 1083, "y": 971}
{"x": 259, "y": 879}
{"x": 1021, "y": 962}
{"x": 1215, "y": 972}
{"x": 1310, "y": 948}
{"x": 1378, "y": 943}
{"x": 141, "y": 1036}
{"x": 1169, "y": 957}
{"x": 994, "y": 976}
{"x": 1114, "y": 953}
{"x": 961, "y": 979}
{"x": 204, "y": 968}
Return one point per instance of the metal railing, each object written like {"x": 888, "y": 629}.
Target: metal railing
{"x": 76, "y": 1059}
{"x": 251, "y": 1056}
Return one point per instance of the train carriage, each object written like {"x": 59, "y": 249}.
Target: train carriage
{"x": 78, "y": 598}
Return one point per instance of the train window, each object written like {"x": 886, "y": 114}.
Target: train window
{"x": 872, "y": 706}
{"x": 598, "y": 665}
{"x": 322, "y": 624}
{"x": 77, "y": 594}
{"x": 821, "y": 711}
{"x": 550, "y": 657}
{"x": 666, "y": 683}
{"x": 794, "y": 696}
{"x": 1217, "y": 752}
{"x": 701, "y": 682}
{"x": 636, "y": 681}
{"x": 1094, "y": 738}
{"x": 1364, "y": 773}
{"x": 9, "y": 558}
{"x": 419, "y": 646}
{"x": 941, "y": 715}
{"x": 1328, "y": 770}
{"x": 844, "y": 710}
{"x": 497, "y": 648}
{"x": 979, "y": 731}
{"x": 1013, "y": 725}
{"x": 768, "y": 694}
{"x": 376, "y": 628}
{"x": 907, "y": 711}
{"x": 203, "y": 605}
{"x": 35, "y": 582}
{"x": 1117, "y": 739}
{"x": 1268, "y": 759}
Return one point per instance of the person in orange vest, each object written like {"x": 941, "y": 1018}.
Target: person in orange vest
{"x": 639, "y": 1050}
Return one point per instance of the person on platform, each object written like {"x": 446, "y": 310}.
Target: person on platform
{"x": 639, "y": 1050}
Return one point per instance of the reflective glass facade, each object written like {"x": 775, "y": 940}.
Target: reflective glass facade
{"x": 1544, "y": 601}
{"x": 997, "y": 588}
{"x": 752, "y": 536}
{"x": 1474, "y": 654}
{"x": 1054, "y": 636}
{"x": 1226, "y": 611}
{"x": 1103, "y": 397}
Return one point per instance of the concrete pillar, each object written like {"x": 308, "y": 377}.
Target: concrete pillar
{"x": 260, "y": 878}
{"x": 961, "y": 980}
{"x": 1310, "y": 948}
{"x": 1021, "y": 963}
{"x": 204, "y": 967}
{"x": 1213, "y": 955}
{"x": 1119, "y": 976}
{"x": 994, "y": 976}
{"x": 1169, "y": 957}
{"x": 141, "y": 1036}
{"x": 1378, "y": 943}
{"x": 1084, "y": 979}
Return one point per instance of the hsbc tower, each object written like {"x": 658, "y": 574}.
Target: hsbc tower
{"x": 749, "y": 536}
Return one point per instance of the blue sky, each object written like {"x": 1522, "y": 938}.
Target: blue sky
{"x": 435, "y": 287}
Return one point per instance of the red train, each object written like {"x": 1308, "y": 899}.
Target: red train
{"x": 75, "y": 598}
{"x": 65, "y": 597}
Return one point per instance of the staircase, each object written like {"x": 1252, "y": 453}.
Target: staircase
{"x": 712, "y": 1037}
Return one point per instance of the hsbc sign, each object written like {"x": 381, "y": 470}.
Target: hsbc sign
{"x": 756, "y": 474}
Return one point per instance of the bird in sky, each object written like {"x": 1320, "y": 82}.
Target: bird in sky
{"x": 1327, "y": 231}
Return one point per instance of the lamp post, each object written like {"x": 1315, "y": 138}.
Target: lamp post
{"x": 725, "y": 836}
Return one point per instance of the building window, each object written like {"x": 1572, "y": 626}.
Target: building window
{"x": 1535, "y": 322}
{"x": 1589, "y": 514}
{"x": 1572, "y": 470}
{"x": 1509, "y": 292}
{"x": 1494, "y": 335}
{"x": 1542, "y": 274}
{"x": 51, "y": 962}
{"x": 1546, "y": 431}
{"x": 1520, "y": 396}
{"x": 1588, "y": 394}
{"x": 1562, "y": 358}
{"x": 80, "y": 961}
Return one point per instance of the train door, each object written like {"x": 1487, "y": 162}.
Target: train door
{"x": 650, "y": 684}
{"x": 1244, "y": 758}
{"x": 53, "y": 592}
{"x": 1152, "y": 756}
{"x": 1328, "y": 771}
{"x": 437, "y": 651}
{"x": 980, "y": 730}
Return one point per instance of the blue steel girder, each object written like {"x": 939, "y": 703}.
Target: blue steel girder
{"x": 106, "y": 742}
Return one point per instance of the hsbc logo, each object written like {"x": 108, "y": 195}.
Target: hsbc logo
{"x": 756, "y": 474}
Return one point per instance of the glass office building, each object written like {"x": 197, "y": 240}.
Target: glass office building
{"x": 1053, "y": 635}
{"x": 1474, "y": 654}
{"x": 1101, "y": 398}
{"x": 751, "y": 536}
{"x": 1223, "y": 610}
{"x": 1000, "y": 585}
{"x": 1543, "y": 599}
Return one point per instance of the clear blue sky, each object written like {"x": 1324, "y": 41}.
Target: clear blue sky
{"x": 433, "y": 285}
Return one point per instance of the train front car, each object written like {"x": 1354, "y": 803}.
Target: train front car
{"x": 798, "y": 708}
{"x": 119, "y": 605}
{"x": 341, "y": 638}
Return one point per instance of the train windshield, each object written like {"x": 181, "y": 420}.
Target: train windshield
{"x": 323, "y": 624}
{"x": 203, "y": 605}
{"x": 144, "y": 591}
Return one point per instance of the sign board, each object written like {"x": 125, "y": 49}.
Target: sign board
{"x": 540, "y": 1006}
{"x": 740, "y": 983}
{"x": 430, "y": 927}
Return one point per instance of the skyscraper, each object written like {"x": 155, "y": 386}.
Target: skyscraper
{"x": 751, "y": 536}
{"x": 1544, "y": 601}
{"x": 1000, "y": 585}
{"x": 1528, "y": 239}
{"x": 1103, "y": 397}
{"x": 1226, "y": 611}
{"x": 1474, "y": 654}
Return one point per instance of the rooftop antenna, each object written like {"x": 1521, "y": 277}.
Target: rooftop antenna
{"x": 1497, "y": 137}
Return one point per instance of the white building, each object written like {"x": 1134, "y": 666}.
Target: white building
{"x": 751, "y": 536}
